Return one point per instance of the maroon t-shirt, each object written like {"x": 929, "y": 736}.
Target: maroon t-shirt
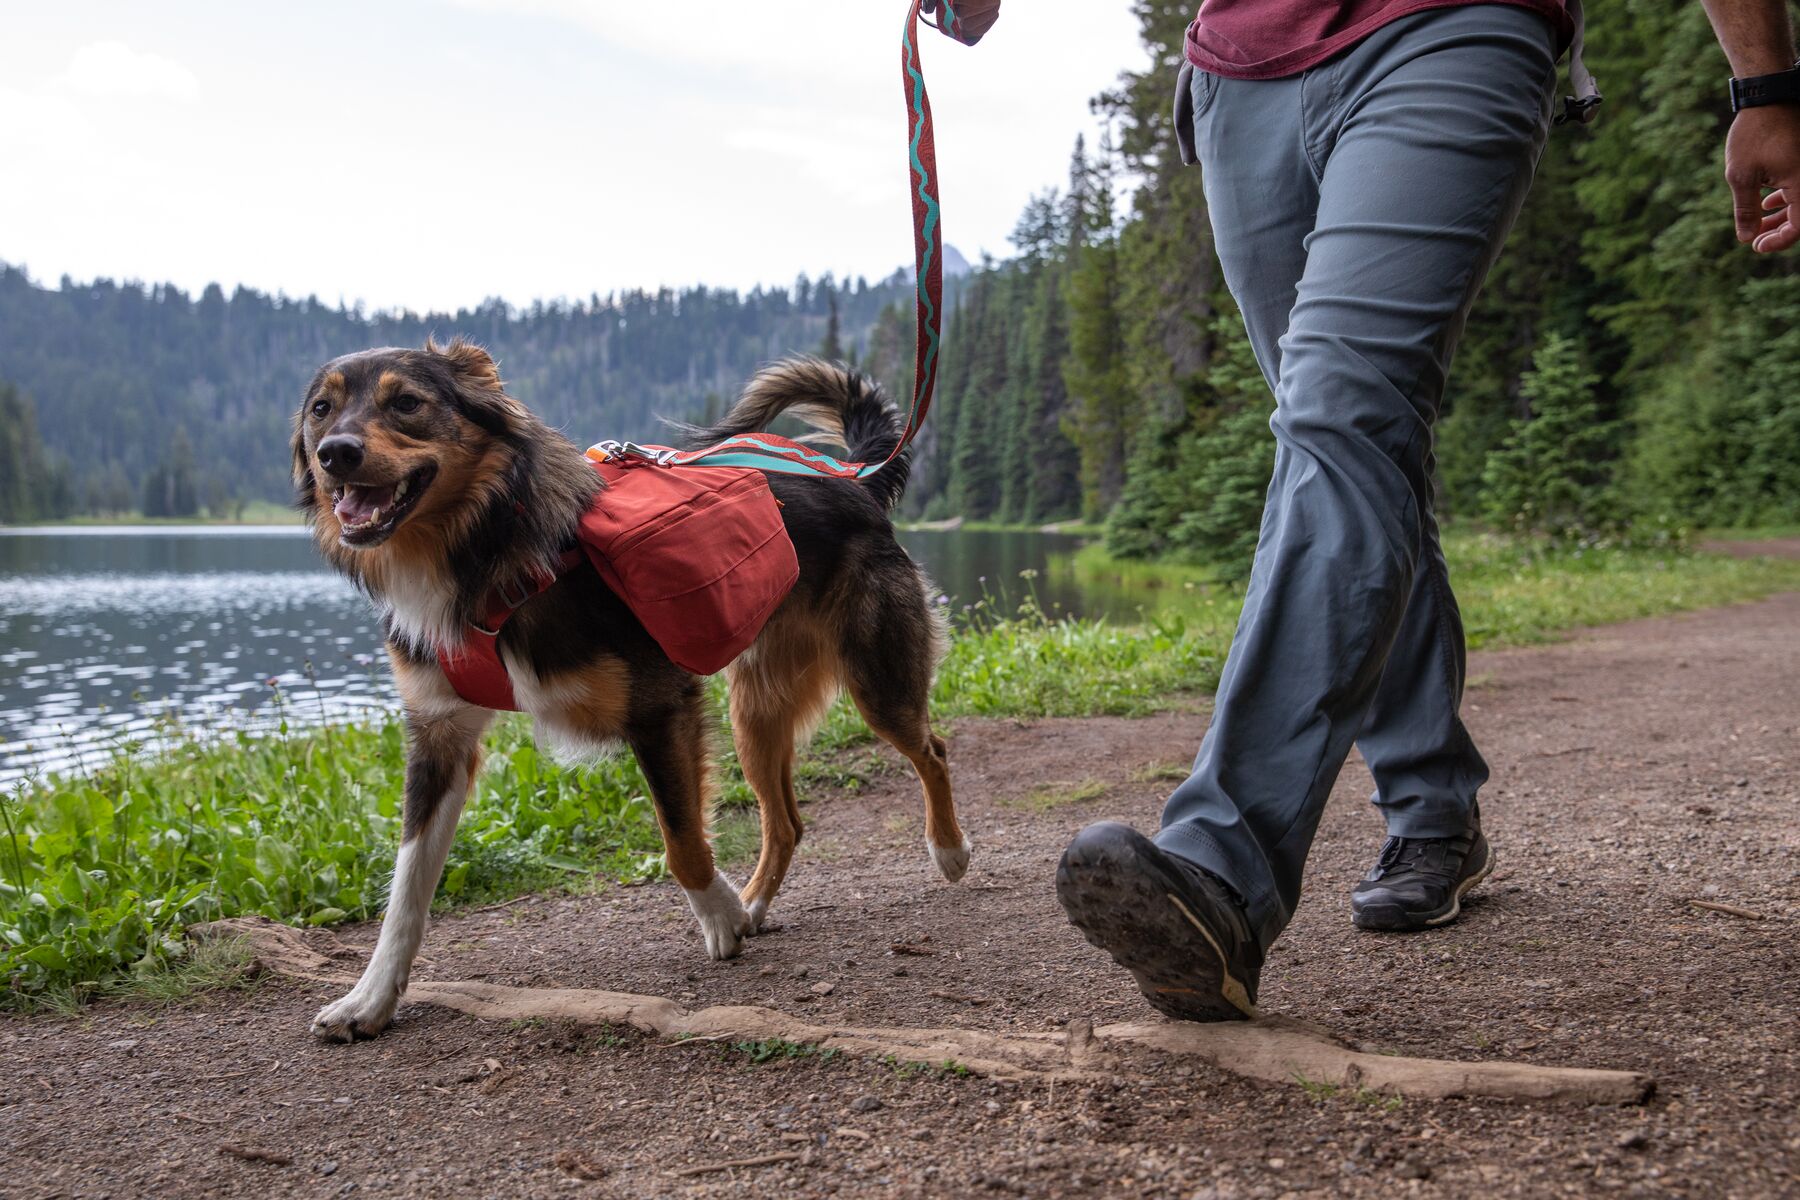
{"x": 1267, "y": 39}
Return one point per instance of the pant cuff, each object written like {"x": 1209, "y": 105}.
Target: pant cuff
{"x": 1422, "y": 818}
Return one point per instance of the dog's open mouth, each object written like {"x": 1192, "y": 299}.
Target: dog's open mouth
{"x": 368, "y": 513}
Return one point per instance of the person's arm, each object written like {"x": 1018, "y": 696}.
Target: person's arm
{"x": 1763, "y": 147}
{"x": 977, "y": 16}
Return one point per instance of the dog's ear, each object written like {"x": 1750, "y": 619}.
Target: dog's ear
{"x": 473, "y": 364}
{"x": 479, "y": 394}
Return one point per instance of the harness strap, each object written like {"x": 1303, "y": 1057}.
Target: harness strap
{"x": 474, "y": 668}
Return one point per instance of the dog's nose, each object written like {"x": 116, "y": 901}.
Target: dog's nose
{"x": 340, "y": 454}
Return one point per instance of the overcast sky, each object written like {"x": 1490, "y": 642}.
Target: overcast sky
{"x": 430, "y": 153}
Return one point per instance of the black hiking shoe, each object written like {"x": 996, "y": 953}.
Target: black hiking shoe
{"x": 1175, "y": 926}
{"x": 1420, "y": 882}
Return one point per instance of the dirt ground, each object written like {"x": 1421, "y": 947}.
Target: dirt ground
{"x": 1637, "y": 768}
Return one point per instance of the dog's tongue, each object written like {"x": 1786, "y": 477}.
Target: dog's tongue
{"x": 359, "y": 504}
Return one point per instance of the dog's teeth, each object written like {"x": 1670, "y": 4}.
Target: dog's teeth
{"x": 400, "y": 489}
{"x": 373, "y": 517}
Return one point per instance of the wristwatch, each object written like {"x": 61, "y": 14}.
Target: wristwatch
{"x": 1783, "y": 87}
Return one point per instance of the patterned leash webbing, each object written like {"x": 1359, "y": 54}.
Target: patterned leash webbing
{"x": 771, "y": 452}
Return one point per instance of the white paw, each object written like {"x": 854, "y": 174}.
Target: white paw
{"x": 759, "y": 908}
{"x": 723, "y": 920}
{"x": 356, "y": 1016}
{"x": 952, "y": 863}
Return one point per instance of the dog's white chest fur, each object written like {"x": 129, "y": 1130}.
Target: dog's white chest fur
{"x": 421, "y": 611}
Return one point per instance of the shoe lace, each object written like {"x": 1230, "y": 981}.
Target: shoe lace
{"x": 1407, "y": 854}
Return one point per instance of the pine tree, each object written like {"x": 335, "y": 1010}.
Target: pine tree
{"x": 1553, "y": 474}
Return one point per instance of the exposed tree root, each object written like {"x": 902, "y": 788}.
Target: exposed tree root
{"x": 1272, "y": 1048}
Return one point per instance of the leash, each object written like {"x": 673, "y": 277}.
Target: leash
{"x": 772, "y": 452}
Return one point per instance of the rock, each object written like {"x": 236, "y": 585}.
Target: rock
{"x": 865, "y": 1104}
{"x": 577, "y": 1165}
{"x": 1632, "y": 1139}
{"x": 823, "y": 988}
{"x": 123, "y": 1044}
{"x": 328, "y": 1168}
{"x": 1406, "y": 1168}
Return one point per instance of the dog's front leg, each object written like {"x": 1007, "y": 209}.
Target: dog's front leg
{"x": 443, "y": 753}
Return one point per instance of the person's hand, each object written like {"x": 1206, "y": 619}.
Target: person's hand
{"x": 977, "y": 16}
{"x": 1763, "y": 151}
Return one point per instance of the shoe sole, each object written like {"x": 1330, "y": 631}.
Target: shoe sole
{"x": 1122, "y": 907}
{"x": 1369, "y": 918}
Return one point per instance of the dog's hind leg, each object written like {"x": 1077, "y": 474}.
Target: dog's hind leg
{"x": 443, "y": 753}
{"x": 776, "y": 697}
{"x": 671, "y": 747}
{"x": 889, "y": 657}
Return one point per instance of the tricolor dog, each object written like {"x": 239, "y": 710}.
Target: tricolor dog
{"x": 428, "y": 486}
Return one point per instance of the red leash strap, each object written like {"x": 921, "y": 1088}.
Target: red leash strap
{"x": 767, "y": 452}
{"x": 928, "y": 232}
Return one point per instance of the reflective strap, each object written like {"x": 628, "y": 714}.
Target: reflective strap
{"x": 1585, "y": 103}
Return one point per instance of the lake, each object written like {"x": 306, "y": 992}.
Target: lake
{"x": 107, "y": 635}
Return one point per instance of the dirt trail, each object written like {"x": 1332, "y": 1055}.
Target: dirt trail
{"x": 1637, "y": 768}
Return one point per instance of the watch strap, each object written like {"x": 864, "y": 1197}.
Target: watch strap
{"x": 1783, "y": 87}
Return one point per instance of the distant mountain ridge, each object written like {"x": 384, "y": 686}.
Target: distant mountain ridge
{"x": 134, "y": 383}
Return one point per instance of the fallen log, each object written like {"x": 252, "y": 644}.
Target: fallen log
{"x": 1274, "y": 1049}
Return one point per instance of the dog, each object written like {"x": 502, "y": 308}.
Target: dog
{"x": 427, "y": 484}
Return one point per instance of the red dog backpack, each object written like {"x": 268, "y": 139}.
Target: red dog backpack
{"x": 699, "y": 554}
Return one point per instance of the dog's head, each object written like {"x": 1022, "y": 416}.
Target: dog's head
{"x": 391, "y": 439}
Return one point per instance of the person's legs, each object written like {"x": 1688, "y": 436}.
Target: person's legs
{"x": 1422, "y": 142}
{"x": 1426, "y": 768}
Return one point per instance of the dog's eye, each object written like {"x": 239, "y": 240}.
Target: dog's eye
{"x": 321, "y": 408}
{"x": 406, "y": 403}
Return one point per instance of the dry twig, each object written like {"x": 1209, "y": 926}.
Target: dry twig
{"x": 761, "y": 1160}
{"x": 1730, "y": 910}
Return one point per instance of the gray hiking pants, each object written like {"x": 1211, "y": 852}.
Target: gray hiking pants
{"x": 1356, "y": 208}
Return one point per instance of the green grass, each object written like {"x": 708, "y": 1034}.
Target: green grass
{"x": 1323, "y": 1092}
{"x": 1511, "y": 593}
{"x": 772, "y": 1050}
{"x": 1059, "y": 794}
{"x": 907, "y": 1068}
{"x": 100, "y": 871}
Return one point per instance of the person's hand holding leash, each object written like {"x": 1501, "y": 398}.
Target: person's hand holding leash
{"x": 1763, "y": 147}
{"x": 1763, "y": 150}
{"x": 977, "y": 16}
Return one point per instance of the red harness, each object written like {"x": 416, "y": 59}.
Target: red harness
{"x": 700, "y": 556}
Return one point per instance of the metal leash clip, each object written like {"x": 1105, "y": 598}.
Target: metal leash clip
{"x": 613, "y": 451}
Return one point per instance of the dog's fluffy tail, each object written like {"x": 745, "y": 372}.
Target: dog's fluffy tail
{"x": 844, "y": 406}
